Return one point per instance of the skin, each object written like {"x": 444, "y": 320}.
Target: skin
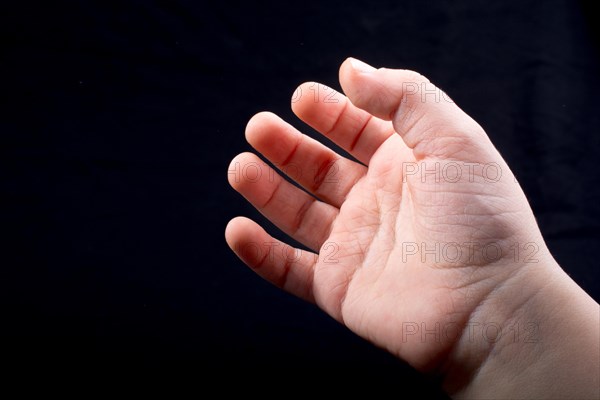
{"x": 426, "y": 246}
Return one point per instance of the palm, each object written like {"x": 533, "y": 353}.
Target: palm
{"x": 399, "y": 252}
{"x": 371, "y": 273}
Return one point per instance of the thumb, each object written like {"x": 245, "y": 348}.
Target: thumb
{"x": 427, "y": 119}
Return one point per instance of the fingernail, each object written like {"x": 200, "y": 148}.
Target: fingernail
{"x": 361, "y": 66}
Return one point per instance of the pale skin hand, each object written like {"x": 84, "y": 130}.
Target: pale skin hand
{"x": 417, "y": 263}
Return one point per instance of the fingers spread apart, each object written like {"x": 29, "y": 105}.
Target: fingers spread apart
{"x": 334, "y": 116}
{"x": 318, "y": 169}
{"x": 294, "y": 211}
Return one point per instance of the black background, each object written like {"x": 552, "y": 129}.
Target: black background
{"x": 118, "y": 121}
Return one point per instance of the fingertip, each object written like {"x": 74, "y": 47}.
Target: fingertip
{"x": 244, "y": 237}
{"x": 299, "y": 98}
{"x": 314, "y": 103}
{"x": 352, "y": 67}
{"x": 346, "y": 63}
{"x": 235, "y": 227}
{"x": 358, "y": 66}
{"x": 377, "y": 91}
{"x": 230, "y": 231}
{"x": 237, "y": 170}
{"x": 355, "y": 79}
{"x": 261, "y": 129}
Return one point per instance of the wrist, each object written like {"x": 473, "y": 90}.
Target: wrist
{"x": 536, "y": 335}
